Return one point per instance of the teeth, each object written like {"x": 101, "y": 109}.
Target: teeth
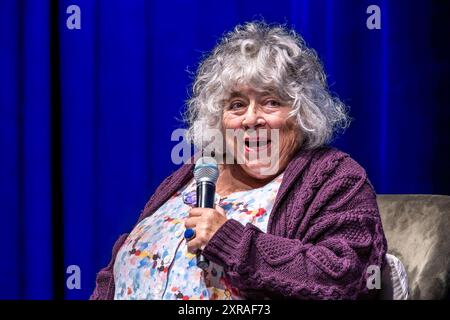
{"x": 257, "y": 143}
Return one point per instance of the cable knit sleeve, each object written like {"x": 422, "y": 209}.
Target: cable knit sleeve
{"x": 331, "y": 242}
{"x": 104, "y": 283}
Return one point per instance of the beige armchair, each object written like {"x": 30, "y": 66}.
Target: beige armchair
{"x": 417, "y": 229}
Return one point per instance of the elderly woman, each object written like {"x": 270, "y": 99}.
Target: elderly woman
{"x": 309, "y": 230}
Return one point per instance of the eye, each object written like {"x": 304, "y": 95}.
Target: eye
{"x": 273, "y": 103}
{"x": 236, "y": 106}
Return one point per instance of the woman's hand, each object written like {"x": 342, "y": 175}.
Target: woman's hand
{"x": 206, "y": 222}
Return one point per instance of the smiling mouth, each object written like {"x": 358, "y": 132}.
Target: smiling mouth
{"x": 256, "y": 145}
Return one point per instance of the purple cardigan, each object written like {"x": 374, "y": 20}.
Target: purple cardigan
{"x": 324, "y": 232}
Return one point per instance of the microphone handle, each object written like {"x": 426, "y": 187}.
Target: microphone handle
{"x": 206, "y": 192}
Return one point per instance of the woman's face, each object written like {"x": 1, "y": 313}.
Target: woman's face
{"x": 258, "y": 116}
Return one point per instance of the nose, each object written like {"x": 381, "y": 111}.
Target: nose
{"x": 252, "y": 117}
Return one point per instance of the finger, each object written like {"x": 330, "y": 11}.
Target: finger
{"x": 191, "y": 222}
{"x": 220, "y": 210}
{"x": 196, "y": 212}
{"x": 193, "y": 245}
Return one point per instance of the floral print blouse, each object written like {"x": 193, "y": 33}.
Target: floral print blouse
{"x": 154, "y": 264}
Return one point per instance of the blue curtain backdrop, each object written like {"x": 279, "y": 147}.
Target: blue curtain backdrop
{"x": 86, "y": 115}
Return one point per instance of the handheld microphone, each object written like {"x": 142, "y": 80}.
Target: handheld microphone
{"x": 206, "y": 173}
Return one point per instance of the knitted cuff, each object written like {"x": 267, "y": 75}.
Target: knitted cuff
{"x": 223, "y": 246}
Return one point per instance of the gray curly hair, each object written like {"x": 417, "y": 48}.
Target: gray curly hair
{"x": 269, "y": 58}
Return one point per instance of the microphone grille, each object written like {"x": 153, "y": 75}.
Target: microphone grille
{"x": 206, "y": 169}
